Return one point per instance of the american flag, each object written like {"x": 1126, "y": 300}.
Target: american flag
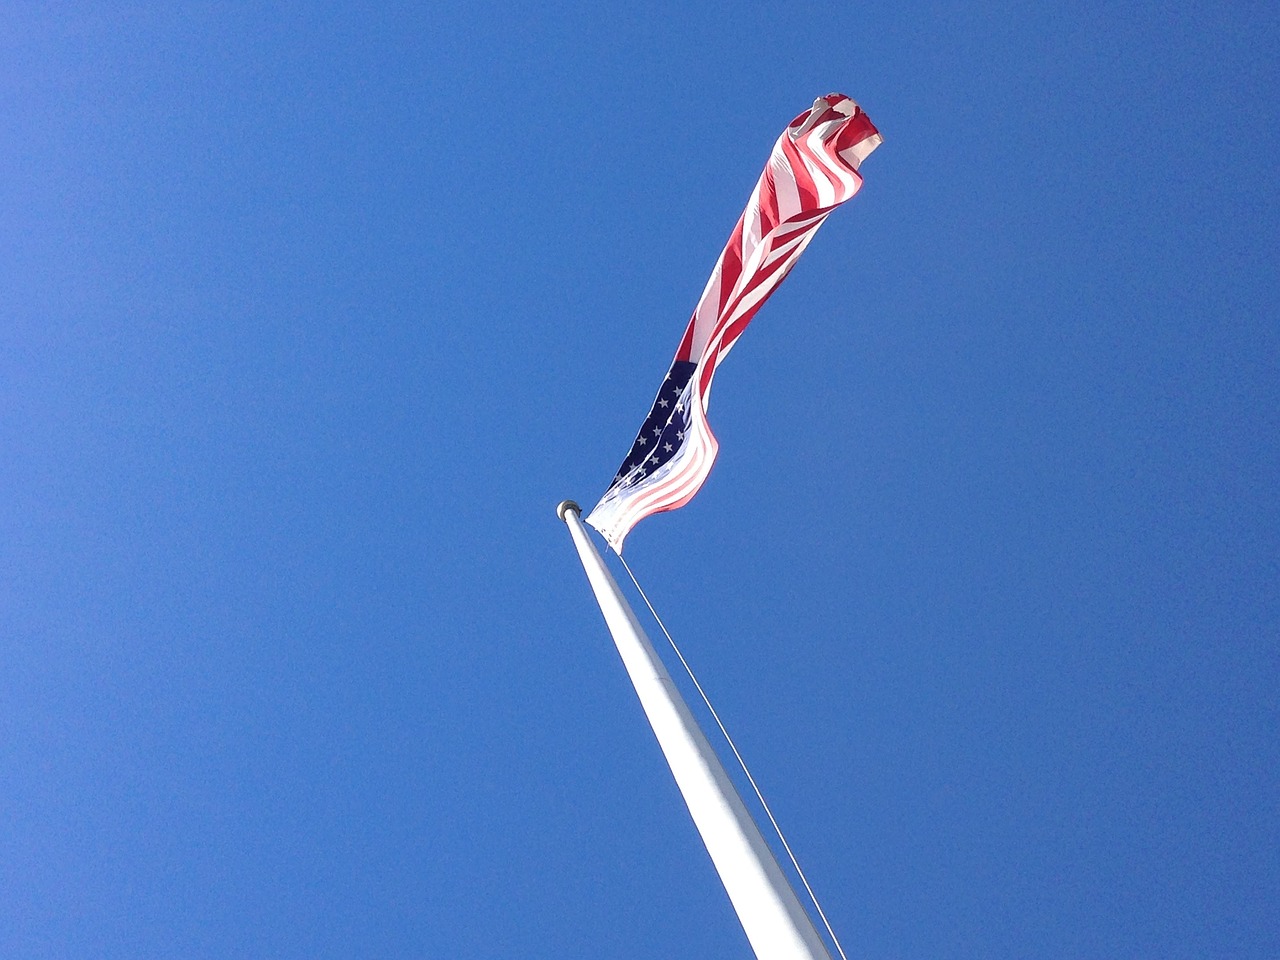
{"x": 812, "y": 170}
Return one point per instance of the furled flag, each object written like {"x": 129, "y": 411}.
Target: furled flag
{"x": 813, "y": 169}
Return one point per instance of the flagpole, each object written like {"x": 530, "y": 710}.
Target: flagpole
{"x": 775, "y": 923}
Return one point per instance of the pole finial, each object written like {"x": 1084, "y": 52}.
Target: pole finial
{"x": 565, "y": 506}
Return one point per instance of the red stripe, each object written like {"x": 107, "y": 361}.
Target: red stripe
{"x": 730, "y": 264}
{"x": 769, "y": 215}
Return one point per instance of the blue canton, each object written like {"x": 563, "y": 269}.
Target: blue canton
{"x": 664, "y": 429}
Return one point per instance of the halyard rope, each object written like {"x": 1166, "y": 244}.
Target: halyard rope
{"x": 742, "y": 763}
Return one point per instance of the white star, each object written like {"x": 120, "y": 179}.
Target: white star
{"x": 666, "y": 447}
{"x": 662, "y": 403}
{"x": 642, "y": 440}
{"x": 679, "y": 434}
{"x": 680, "y": 406}
{"x": 657, "y": 431}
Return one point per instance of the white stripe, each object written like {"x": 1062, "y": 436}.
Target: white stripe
{"x": 751, "y": 223}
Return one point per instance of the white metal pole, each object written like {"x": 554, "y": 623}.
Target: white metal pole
{"x": 771, "y": 915}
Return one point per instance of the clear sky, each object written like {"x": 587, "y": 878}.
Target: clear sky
{"x": 310, "y": 314}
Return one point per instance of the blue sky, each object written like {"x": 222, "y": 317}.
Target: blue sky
{"x": 310, "y": 315}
